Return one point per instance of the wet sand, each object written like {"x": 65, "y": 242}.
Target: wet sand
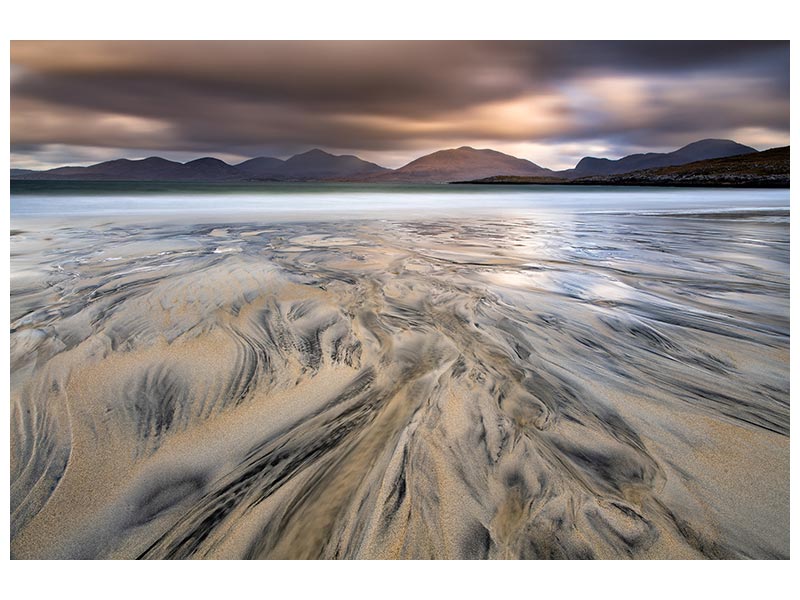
{"x": 602, "y": 386}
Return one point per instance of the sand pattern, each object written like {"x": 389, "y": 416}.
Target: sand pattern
{"x": 605, "y": 386}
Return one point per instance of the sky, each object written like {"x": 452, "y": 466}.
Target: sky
{"x": 82, "y": 102}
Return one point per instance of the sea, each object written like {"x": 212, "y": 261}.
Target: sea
{"x": 304, "y": 201}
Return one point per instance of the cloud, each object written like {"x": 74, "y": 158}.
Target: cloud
{"x": 392, "y": 101}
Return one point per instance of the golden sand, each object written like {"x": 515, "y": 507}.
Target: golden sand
{"x": 477, "y": 389}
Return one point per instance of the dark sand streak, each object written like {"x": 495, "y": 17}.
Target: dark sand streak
{"x": 602, "y": 388}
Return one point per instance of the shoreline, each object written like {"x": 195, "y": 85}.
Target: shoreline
{"x": 765, "y": 184}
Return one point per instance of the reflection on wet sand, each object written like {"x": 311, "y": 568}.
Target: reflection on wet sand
{"x": 600, "y": 387}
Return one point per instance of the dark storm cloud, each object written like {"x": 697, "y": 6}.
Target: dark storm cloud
{"x": 248, "y": 98}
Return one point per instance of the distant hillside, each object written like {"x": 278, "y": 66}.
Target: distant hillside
{"x": 148, "y": 169}
{"x": 702, "y": 150}
{"x": 314, "y": 165}
{"x": 461, "y": 163}
{"x": 263, "y": 167}
{"x": 758, "y": 169}
{"x": 209, "y": 168}
{"x": 769, "y": 168}
{"x": 444, "y": 166}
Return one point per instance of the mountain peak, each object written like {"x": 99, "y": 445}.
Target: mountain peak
{"x": 462, "y": 164}
{"x": 715, "y": 143}
{"x": 314, "y": 152}
{"x": 207, "y": 160}
{"x": 316, "y": 164}
{"x": 700, "y": 150}
{"x": 711, "y": 141}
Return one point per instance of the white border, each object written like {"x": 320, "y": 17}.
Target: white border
{"x": 412, "y": 19}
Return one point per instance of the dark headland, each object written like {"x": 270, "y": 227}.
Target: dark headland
{"x": 767, "y": 169}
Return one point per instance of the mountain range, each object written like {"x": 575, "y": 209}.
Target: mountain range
{"x": 767, "y": 169}
{"x": 702, "y": 150}
{"x": 314, "y": 165}
{"x": 459, "y": 164}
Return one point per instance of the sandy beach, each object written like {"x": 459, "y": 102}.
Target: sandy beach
{"x": 604, "y": 387}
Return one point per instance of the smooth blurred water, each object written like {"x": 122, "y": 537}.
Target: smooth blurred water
{"x": 232, "y": 202}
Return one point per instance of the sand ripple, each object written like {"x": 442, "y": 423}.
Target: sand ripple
{"x": 589, "y": 388}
